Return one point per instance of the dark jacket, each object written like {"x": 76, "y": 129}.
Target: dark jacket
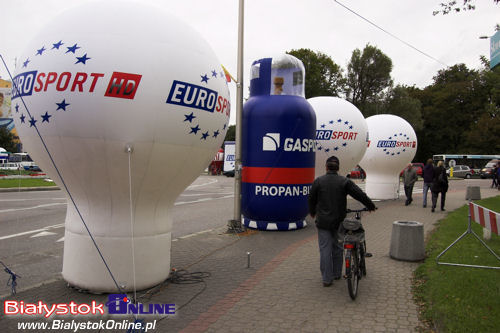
{"x": 428, "y": 173}
{"x": 328, "y": 199}
{"x": 438, "y": 186}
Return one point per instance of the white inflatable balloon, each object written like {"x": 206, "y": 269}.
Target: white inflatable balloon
{"x": 102, "y": 78}
{"x": 392, "y": 145}
{"x": 341, "y": 130}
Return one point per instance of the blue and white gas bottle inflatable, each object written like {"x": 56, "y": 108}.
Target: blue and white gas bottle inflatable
{"x": 278, "y": 146}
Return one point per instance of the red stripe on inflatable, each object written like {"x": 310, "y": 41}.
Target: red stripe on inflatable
{"x": 493, "y": 222}
{"x": 262, "y": 175}
{"x": 480, "y": 212}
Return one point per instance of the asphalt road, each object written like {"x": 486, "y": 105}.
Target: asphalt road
{"x": 32, "y": 226}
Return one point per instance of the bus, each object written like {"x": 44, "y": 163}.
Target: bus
{"x": 475, "y": 162}
{"x": 23, "y": 159}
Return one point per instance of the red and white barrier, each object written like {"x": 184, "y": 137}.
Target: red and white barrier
{"x": 486, "y": 218}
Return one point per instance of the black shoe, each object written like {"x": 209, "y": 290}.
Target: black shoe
{"x": 325, "y": 284}
{"x": 432, "y": 210}
{"x": 406, "y": 203}
{"x": 337, "y": 278}
{"x": 442, "y": 209}
{"x": 425, "y": 206}
{"x": 368, "y": 255}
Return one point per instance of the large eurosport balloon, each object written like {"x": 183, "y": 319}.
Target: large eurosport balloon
{"x": 341, "y": 130}
{"x": 106, "y": 84}
{"x": 392, "y": 145}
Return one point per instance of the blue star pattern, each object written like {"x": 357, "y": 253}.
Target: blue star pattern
{"x": 62, "y": 105}
{"x": 335, "y": 125}
{"x": 45, "y": 117}
{"x": 191, "y": 119}
{"x": 394, "y": 151}
{"x": 80, "y": 58}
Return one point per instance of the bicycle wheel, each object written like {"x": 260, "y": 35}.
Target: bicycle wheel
{"x": 352, "y": 271}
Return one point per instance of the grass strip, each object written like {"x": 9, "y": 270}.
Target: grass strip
{"x": 460, "y": 299}
{"x": 25, "y": 182}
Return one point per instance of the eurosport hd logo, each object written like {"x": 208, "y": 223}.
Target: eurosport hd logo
{"x": 397, "y": 144}
{"x": 74, "y": 80}
{"x": 272, "y": 142}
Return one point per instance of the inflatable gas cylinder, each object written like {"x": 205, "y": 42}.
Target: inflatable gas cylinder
{"x": 278, "y": 146}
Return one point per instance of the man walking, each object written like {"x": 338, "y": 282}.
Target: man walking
{"x": 409, "y": 179}
{"x": 428, "y": 174}
{"x": 328, "y": 204}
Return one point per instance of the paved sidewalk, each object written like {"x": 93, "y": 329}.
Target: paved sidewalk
{"x": 282, "y": 290}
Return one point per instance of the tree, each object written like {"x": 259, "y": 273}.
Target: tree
{"x": 400, "y": 103}
{"x": 231, "y": 133}
{"x": 7, "y": 140}
{"x": 452, "y": 6}
{"x": 368, "y": 75}
{"x": 483, "y": 136}
{"x": 323, "y": 76}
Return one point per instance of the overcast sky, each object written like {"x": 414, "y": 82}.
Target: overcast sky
{"x": 277, "y": 26}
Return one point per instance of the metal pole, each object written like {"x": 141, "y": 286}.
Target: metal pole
{"x": 235, "y": 224}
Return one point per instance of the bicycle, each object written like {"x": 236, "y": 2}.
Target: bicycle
{"x": 352, "y": 234}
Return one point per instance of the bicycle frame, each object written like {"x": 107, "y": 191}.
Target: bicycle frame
{"x": 354, "y": 253}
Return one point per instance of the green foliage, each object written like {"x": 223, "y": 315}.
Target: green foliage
{"x": 460, "y": 299}
{"x": 458, "y": 113}
{"x": 323, "y": 75}
{"x": 7, "y": 140}
{"x": 452, "y": 7}
{"x": 231, "y": 133}
{"x": 368, "y": 75}
{"x": 400, "y": 103}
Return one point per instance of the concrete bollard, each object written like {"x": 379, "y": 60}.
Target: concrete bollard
{"x": 473, "y": 193}
{"x": 407, "y": 241}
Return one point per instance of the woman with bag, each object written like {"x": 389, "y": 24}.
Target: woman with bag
{"x": 439, "y": 185}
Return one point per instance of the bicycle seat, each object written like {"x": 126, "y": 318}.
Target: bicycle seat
{"x": 351, "y": 224}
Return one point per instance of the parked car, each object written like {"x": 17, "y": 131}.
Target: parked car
{"x": 487, "y": 171}
{"x": 419, "y": 167}
{"x": 356, "y": 173}
{"x": 32, "y": 168}
{"x": 9, "y": 166}
{"x": 461, "y": 171}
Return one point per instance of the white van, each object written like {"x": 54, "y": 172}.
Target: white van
{"x": 9, "y": 166}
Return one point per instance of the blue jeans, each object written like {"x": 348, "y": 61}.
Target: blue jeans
{"x": 331, "y": 254}
{"x": 427, "y": 187}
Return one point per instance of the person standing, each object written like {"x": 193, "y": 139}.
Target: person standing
{"x": 428, "y": 174}
{"x": 409, "y": 179}
{"x": 494, "y": 175}
{"x": 327, "y": 205}
{"x": 439, "y": 185}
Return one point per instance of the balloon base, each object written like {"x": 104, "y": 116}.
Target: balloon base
{"x": 273, "y": 226}
{"x": 84, "y": 269}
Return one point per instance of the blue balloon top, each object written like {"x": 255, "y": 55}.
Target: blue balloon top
{"x": 282, "y": 75}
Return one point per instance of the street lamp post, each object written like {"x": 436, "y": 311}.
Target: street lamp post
{"x": 235, "y": 224}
